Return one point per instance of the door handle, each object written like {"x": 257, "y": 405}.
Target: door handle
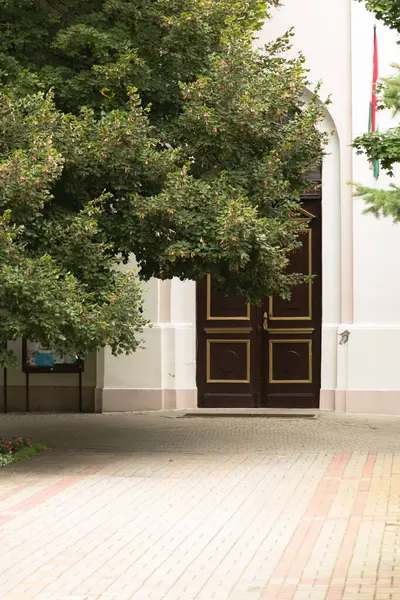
{"x": 265, "y": 321}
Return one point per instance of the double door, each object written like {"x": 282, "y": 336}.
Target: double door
{"x": 270, "y": 355}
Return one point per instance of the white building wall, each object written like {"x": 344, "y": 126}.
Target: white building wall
{"x": 376, "y": 242}
{"x": 374, "y": 376}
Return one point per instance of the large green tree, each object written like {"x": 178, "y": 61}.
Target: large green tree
{"x": 59, "y": 277}
{"x": 384, "y": 146}
{"x": 151, "y": 128}
{"x": 387, "y": 11}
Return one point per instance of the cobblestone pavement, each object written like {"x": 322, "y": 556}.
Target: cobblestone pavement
{"x": 153, "y": 506}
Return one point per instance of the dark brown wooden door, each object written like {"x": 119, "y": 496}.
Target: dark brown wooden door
{"x": 291, "y": 347}
{"x": 267, "y": 356}
{"x": 227, "y": 344}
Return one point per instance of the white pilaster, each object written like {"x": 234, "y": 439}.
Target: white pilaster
{"x": 162, "y": 374}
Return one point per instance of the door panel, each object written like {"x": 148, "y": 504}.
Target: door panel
{"x": 300, "y": 305}
{"x": 290, "y": 361}
{"x": 222, "y": 308}
{"x": 291, "y": 355}
{"x": 227, "y": 367}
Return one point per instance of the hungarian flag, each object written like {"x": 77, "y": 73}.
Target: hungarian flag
{"x": 373, "y": 106}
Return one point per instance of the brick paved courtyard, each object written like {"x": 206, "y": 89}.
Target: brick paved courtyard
{"x": 154, "y": 506}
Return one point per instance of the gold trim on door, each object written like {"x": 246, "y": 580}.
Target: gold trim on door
{"x": 305, "y": 219}
{"x": 301, "y": 331}
{"x": 235, "y": 330}
{"x": 271, "y": 361}
{"x": 208, "y": 361}
{"x": 209, "y": 315}
{"x": 308, "y": 317}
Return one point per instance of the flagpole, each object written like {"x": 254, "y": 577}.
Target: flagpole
{"x": 372, "y": 125}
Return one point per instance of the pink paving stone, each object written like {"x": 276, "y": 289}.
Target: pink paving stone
{"x": 45, "y": 494}
{"x": 333, "y": 594}
{"x": 13, "y": 491}
{"x": 5, "y": 519}
{"x": 369, "y": 465}
{"x": 297, "y": 554}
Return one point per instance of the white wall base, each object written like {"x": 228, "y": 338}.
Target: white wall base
{"x": 125, "y": 400}
{"x": 372, "y": 402}
{"x": 383, "y": 402}
{"x": 327, "y": 400}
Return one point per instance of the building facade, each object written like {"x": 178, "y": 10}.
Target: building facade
{"x": 351, "y": 343}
